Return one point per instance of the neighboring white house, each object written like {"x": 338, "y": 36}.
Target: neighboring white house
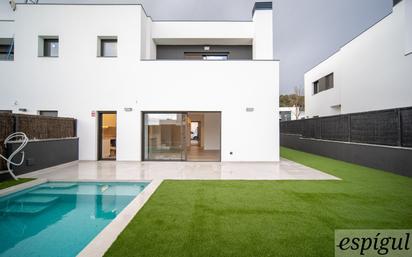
{"x": 371, "y": 72}
{"x": 290, "y": 113}
{"x": 135, "y": 85}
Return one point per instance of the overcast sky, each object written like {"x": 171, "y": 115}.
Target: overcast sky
{"x": 306, "y": 31}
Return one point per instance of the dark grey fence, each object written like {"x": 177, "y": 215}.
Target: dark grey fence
{"x": 386, "y": 127}
{"x": 35, "y": 127}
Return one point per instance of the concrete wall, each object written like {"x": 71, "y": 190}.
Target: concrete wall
{"x": 371, "y": 72}
{"x": 78, "y": 83}
{"x": 324, "y": 103}
{"x": 202, "y": 32}
{"x": 393, "y": 159}
{"x": 45, "y": 153}
{"x": 263, "y": 35}
{"x": 408, "y": 26}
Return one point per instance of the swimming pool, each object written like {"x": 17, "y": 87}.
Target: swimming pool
{"x": 60, "y": 218}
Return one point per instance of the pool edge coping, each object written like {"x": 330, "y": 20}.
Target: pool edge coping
{"x": 23, "y": 186}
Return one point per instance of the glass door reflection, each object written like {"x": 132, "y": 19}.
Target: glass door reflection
{"x": 165, "y": 136}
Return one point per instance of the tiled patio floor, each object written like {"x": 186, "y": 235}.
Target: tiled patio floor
{"x": 123, "y": 171}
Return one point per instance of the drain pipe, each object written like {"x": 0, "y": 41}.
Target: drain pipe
{"x": 18, "y": 136}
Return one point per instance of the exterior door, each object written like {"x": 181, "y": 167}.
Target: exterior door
{"x": 107, "y": 135}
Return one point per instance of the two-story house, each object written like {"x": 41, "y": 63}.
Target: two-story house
{"x": 142, "y": 89}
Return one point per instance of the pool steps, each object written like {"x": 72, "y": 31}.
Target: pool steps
{"x": 32, "y": 203}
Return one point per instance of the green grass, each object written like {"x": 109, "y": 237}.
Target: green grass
{"x": 12, "y": 182}
{"x": 266, "y": 218}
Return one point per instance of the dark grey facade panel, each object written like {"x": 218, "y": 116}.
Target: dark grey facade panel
{"x": 393, "y": 159}
{"x": 395, "y": 2}
{"x": 262, "y": 6}
{"x": 177, "y": 52}
{"x": 44, "y": 154}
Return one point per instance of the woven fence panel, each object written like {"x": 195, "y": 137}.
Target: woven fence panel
{"x": 312, "y": 128}
{"x": 335, "y": 128}
{"x": 292, "y": 127}
{"x": 380, "y": 128}
{"x": 6, "y": 128}
{"x": 42, "y": 127}
{"x": 406, "y": 118}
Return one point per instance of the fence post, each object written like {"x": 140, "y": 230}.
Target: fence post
{"x": 320, "y": 128}
{"x": 349, "y": 128}
{"x": 75, "y": 128}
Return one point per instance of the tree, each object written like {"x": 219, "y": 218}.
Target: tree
{"x": 298, "y": 101}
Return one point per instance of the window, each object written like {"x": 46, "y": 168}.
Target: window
{"x": 206, "y": 56}
{"x": 107, "y": 47}
{"x": 48, "y": 113}
{"x": 48, "y": 46}
{"x": 215, "y": 57}
{"x": 323, "y": 84}
{"x": 6, "y": 49}
{"x": 315, "y": 87}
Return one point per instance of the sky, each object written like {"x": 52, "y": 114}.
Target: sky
{"x": 306, "y": 32}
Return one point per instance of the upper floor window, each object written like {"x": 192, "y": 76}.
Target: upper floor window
{"x": 323, "y": 84}
{"x": 6, "y": 49}
{"x": 48, "y": 113}
{"x": 107, "y": 47}
{"x": 49, "y": 46}
{"x": 206, "y": 56}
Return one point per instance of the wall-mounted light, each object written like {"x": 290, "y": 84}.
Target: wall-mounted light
{"x": 22, "y": 110}
{"x": 206, "y": 48}
{"x": 128, "y": 109}
{"x": 250, "y": 109}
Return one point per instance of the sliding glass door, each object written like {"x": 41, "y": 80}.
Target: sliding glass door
{"x": 164, "y": 136}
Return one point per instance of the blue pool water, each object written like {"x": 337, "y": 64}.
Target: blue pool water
{"x": 59, "y": 219}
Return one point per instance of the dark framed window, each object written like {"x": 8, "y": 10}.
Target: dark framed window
{"x": 206, "y": 56}
{"x": 108, "y": 47}
{"x": 323, "y": 84}
{"x": 6, "y": 49}
{"x": 51, "y": 47}
{"x": 48, "y": 113}
{"x": 315, "y": 87}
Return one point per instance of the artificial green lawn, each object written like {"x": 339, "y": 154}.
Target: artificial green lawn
{"x": 266, "y": 218}
{"x": 12, "y": 182}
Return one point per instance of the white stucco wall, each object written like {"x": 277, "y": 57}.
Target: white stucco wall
{"x": 371, "y": 72}
{"x": 6, "y": 13}
{"x": 263, "y": 35}
{"x": 324, "y": 103}
{"x": 408, "y": 26}
{"x": 77, "y": 82}
{"x": 190, "y": 32}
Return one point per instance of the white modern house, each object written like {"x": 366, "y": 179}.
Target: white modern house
{"x": 141, "y": 89}
{"x": 371, "y": 72}
{"x": 290, "y": 113}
